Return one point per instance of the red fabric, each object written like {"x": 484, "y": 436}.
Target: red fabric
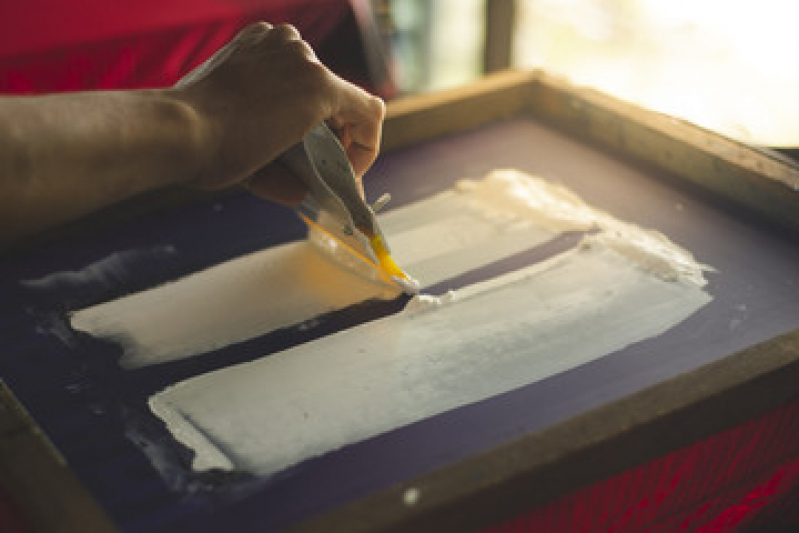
{"x": 736, "y": 479}
{"x": 48, "y": 45}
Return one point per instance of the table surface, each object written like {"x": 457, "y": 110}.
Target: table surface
{"x": 96, "y": 414}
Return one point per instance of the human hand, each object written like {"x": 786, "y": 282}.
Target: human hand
{"x": 258, "y": 96}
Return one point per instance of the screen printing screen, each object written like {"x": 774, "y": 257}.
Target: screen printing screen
{"x": 218, "y": 365}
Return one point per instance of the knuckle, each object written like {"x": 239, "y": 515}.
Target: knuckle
{"x": 253, "y": 33}
{"x": 301, "y": 48}
{"x": 261, "y": 26}
{"x": 286, "y": 32}
{"x": 256, "y": 29}
{"x": 377, "y": 107}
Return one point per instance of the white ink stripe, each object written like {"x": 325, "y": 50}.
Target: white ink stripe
{"x": 492, "y": 337}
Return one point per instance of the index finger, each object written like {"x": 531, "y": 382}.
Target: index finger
{"x": 358, "y": 121}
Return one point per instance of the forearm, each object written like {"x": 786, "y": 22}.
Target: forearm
{"x": 62, "y": 156}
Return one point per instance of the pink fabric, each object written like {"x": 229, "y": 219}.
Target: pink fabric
{"x": 738, "y": 478}
{"x": 48, "y": 45}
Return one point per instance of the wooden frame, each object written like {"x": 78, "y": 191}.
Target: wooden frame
{"x": 507, "y": 480}
{"x": 539, "y": 467}
{"x": 48, "y": 494}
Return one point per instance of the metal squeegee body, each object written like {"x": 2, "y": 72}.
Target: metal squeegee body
{"x": 320, "y": 161}
{"x": 334, "y": 203}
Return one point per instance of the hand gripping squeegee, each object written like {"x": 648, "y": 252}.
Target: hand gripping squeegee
{"x": 334, "y": 204}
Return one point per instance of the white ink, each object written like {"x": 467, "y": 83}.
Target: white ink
{"x": 106, "y": 271}
{"x": 227, "y": 304}
{"x": 488, "y": 338}
{"x": 621, "y": 285}
{"x": 411, "y": 496}
{"x": 434, "y": 239}
{"x": 426, "y": 302}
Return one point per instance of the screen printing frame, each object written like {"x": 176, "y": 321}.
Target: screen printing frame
{"x": 516, "y": 476}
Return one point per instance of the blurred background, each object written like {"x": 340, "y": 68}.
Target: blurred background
{"x": 727, "y": 65}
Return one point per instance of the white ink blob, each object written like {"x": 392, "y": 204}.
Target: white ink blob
{"x": 411, "y": 496}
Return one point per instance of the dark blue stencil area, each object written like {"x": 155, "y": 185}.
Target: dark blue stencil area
{"x": 96, "y": 413}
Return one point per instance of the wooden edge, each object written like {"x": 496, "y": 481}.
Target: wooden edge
{"x": 518, "y": 476}
{"x": 44, "y": 488}
{"x": 415, "y": 119}
{"x": 762, "y": 182}
{"x": 754, "y": 179}
{"x": 500, "y": 20}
